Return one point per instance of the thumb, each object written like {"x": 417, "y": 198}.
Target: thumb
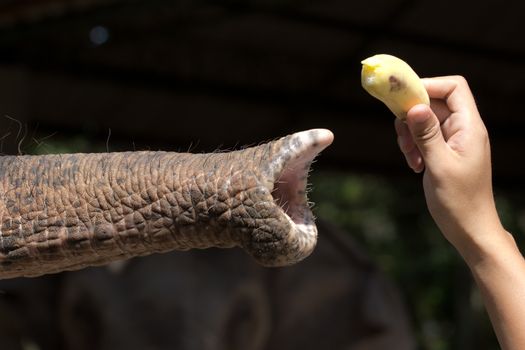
{"x": 426, "y": 132}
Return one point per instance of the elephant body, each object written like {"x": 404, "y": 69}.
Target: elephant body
{"x": 212, "y": 299}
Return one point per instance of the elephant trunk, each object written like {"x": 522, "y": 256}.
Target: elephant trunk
{"x": 66, "y": 212}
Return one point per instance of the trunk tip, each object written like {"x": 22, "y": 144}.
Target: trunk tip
{"x": 317, "y": 138}
{"x": 289, "y": 191}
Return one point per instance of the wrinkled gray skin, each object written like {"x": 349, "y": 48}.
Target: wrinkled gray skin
{"x": 66, "y": 212}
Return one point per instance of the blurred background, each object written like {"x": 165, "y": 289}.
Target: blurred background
{"x": 113, "y": 75}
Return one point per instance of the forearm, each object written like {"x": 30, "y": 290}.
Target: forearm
{"x": 499, "y": 270}
{"x": 450, "y": 141}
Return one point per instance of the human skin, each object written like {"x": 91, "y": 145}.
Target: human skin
{"x": 66, "y": 212}
{"x": 448, "y": 141}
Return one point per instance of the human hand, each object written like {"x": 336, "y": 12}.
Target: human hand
{"x": 449, "y": 142}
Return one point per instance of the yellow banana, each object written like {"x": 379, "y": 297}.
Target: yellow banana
{"x": 392, "y": 81}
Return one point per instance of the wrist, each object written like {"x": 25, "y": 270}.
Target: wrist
{"x": 489, "y": 245}
{"x": 474, "y": 229}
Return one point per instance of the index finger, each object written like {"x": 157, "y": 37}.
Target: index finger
{"x": 454, "y": 90}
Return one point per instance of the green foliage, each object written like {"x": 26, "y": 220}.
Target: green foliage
{"x": 58, "y": 145}
{"x": 388, "y": 216}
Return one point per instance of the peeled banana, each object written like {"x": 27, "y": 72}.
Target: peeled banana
{"x": 392, "y": 81}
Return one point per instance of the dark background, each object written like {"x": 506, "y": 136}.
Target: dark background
{"x": 223, "y": 73}
{"x": 110, "y": 75}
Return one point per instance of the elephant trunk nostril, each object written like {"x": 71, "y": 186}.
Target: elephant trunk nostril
{"x": 290, "y": 186}
{"x": 290, "y": 191}
{"x": 295, "y": 235}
